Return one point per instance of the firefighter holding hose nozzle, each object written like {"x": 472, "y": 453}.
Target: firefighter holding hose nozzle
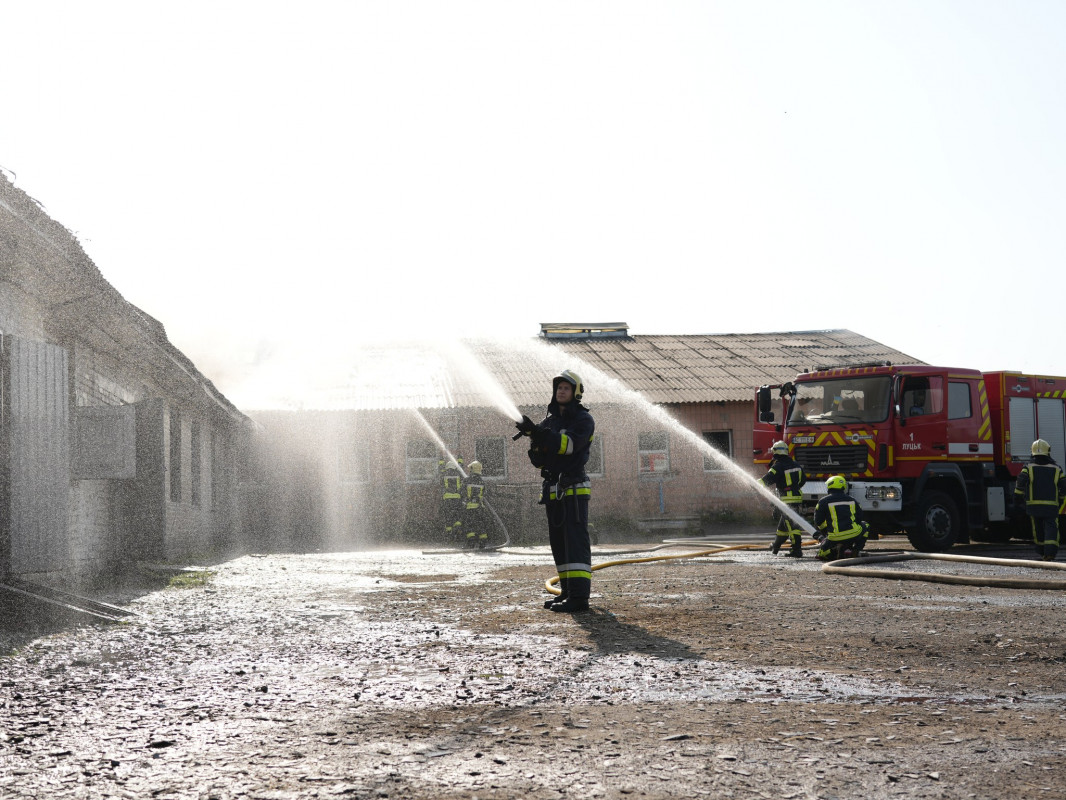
{"x": 788, "y": 478}
{"x": 838, "y": 518}
{"x": 560, "y": 449}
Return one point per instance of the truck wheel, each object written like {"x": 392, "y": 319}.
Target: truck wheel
{"x": 937, "y": 527}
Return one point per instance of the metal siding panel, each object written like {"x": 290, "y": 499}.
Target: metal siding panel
{"x": 1022, "y": 426}
{"x": 1049, "y": 416}
{"x": 40, "y": 477}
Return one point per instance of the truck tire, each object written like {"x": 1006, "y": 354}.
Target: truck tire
{"x": 938, "y": 524}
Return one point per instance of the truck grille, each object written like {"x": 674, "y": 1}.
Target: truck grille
{"x": 843, "y": 458}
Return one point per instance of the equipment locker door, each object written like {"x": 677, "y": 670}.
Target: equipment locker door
{"x": 1052, "y": 429}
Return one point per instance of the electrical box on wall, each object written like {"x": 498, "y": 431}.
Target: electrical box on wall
{"x": 105, "y": 443}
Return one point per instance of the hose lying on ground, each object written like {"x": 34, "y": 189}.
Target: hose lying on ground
{"x": 850, "y": 566}
{"x": 550, "y": 583}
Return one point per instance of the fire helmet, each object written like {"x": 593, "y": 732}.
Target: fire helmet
{"x": 779, "y": 449}
{"x": 475, "y": 467}
{"x": 1040, "y": 448}
{"x": 573, "y": 379}
{"x": 837, "y": 482}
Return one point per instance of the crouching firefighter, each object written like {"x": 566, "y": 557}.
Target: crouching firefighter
{"x": 838, "y": 519}
{"x": 787, "y": 477}
{"x": 560, "y": 449}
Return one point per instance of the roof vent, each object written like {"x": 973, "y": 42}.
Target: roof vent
{"x": 584, "y": 330}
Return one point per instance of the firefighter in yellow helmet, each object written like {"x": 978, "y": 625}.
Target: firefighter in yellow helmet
{"x": 451, "y": 501}
{"x": 1041, "y": 491}
{"x": 560, "y": 450}
{"x": 787, "y": 477}
{"x": 474, "y": 527}
{"x": 838, "y": 519}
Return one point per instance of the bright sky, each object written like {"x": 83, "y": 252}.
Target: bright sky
{"x": 275, "y": 180}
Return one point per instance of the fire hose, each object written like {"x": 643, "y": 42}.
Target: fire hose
{"x": 857, "y": 567}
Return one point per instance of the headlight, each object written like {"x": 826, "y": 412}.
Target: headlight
{"x": 882, "y": 493}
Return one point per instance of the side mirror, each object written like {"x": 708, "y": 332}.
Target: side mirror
{"x": 766, "y": 416}
{"x": 764, "y": 403}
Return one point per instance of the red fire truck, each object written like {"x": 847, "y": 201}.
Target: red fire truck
{"x": 933, "y": 451}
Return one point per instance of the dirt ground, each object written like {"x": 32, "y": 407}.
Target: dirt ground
{"x": 408, "y": 675}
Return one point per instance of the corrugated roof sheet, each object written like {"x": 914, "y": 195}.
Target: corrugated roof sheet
{"x": 664, "y": 369}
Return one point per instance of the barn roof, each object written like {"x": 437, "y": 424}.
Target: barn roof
{"x": 663, "y": 369}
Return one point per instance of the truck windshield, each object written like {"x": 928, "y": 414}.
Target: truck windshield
{"x": 841, "y": 401}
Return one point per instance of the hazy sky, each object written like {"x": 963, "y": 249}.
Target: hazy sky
{"x": 272, "y": 180}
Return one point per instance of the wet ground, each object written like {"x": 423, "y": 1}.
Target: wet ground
{"x": 405, "y": 675}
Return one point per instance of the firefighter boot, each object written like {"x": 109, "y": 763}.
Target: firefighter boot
{"x": 577, "y": 601}
{"x": 796, "y": 550}
{"x": 778, "y": 541}
{"x": 551, "y": 602}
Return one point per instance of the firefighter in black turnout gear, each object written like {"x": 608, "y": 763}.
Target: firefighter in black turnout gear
{"x": 560, "y": 450}
{"x": 838, "y": 518}
{"x": 1041, "y": 491}
{"x": 787, "y": 477}
{"x": 451, "y": 500}
{"x": 477, "y": 534}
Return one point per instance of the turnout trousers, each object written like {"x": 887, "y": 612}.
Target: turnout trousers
{"x": 1046, "y": 536}
{"x": 568, "y": 535}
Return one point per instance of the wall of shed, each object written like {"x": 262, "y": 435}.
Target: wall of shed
{"x": 308, "y": 500}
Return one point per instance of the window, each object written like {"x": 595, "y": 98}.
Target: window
{"x": 923, "y": 396}
{"x": 491, "y": 451}
{"x": 595, "y": 462}
{"x": 722, "y": 442}
{"x": 653, "y": 450}
{"x": 421, "y": 461}
{"x": 175, "y": 456}
{"x": 959, "y": 405}
{"x": 220, "y": 468}
{"x": 841, "y": 400}
{"x": 195, "y": 467}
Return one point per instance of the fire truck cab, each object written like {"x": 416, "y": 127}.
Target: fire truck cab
{"x": 933, "y": 451}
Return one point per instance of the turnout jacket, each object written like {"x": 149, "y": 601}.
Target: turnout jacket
{"x": 787, "y": 477}
{"x": 1041, "y": 486}
{"x": 561, "y": 443}
{"x": 839, "y": 516}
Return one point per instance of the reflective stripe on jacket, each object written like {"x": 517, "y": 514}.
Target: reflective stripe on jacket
{"x": 1043, "y": 486}
{"x": 839, "y": 516}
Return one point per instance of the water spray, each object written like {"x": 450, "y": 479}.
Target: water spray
{"x": 616, "y": 387}
{"x": 489, "y": 387}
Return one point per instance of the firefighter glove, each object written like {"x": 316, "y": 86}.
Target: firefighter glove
{"x": 526, "y": 427}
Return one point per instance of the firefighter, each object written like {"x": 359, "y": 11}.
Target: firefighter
{"x": 474, "y": 528}
{"x": 838, "y": 518}
{"x": 560, "y": 450}
{"x": 1041, "y": 491}
{"x": 788, "y": 478}
{"x": 451, "y": 501}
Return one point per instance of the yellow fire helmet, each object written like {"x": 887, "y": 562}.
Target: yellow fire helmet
{"x": 837, "y": 482}
{"x": 779, "y": 449}
{"x": 475, "y": 467}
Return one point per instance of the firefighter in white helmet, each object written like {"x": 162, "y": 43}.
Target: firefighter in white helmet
{"x": 838, "y": 518}
{"x": 560, "y": 450}
{"x": 474, "y": 527}
{"x": 787, "y": 477}
{"x": 1041, "y": 491}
